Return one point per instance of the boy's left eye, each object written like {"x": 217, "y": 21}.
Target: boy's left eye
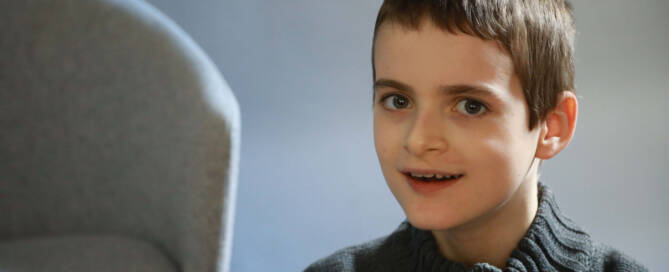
{"x": 471, "y": 107}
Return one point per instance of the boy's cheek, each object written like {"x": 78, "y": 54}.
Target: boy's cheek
{"x": 387, "y": 139}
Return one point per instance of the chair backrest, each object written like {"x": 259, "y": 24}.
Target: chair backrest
{"x": 112, "y": 120}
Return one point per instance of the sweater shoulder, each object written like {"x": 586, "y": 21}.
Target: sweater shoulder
{"x": 608, "y": 259}
{"x": 374, "y": 255}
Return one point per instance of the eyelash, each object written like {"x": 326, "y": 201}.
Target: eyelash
{"x": 485, "y": 108}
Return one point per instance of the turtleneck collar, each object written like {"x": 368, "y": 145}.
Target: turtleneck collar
{"x": 552, "y": 243}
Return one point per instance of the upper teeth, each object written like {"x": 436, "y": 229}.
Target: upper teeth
{"x": 432, "y": 175}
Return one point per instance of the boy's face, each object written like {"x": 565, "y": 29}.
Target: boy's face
{"x": 450, "y": 104}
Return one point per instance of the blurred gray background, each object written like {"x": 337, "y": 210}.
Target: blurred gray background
{"x": 309, "y": 178}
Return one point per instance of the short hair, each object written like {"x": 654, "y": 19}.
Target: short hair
{"x": 538, "y": 34}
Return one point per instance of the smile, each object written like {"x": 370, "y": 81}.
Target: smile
{"x": 434, "y": 177}
{"x": 425, "y": 183}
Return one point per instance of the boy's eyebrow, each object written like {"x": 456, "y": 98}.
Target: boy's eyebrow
{"x": 451, "y": 90}
{"x": 392, "y": 84}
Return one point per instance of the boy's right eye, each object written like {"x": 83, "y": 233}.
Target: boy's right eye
{"x": 395, "y": 102}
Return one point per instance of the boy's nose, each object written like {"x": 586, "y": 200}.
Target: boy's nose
{"x": 427, "y": 134}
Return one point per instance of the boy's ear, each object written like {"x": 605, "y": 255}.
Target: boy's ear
{"x": 558, "y": 127}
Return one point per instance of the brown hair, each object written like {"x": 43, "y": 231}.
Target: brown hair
{"x": 539, "y": 35}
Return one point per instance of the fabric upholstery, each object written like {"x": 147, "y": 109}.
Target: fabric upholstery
{"x": 113, "y": 121}
{"x": 82, "y": 253}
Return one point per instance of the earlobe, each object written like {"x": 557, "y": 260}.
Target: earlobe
{"x": 557, "y": 130}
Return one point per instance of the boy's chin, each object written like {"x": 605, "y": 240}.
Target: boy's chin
{"x": 427, "y": 222}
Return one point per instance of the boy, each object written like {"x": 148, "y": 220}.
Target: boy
{"x": 469, "y": 98}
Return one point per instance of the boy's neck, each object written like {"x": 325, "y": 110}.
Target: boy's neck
{"x": 492, "y": 238}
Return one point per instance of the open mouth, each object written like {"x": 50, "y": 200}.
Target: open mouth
{"x": 427, "y": 184}
{"x": 433, "y": 177}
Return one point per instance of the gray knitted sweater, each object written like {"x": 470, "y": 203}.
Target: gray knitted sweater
{"x": 552, "y": 243}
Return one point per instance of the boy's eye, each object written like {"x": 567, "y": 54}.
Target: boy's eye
{"x": 471, "y": 107}
{"x": 395, "y": 102}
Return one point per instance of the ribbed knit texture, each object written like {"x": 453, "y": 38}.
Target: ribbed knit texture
{"x": 552, "y": 243}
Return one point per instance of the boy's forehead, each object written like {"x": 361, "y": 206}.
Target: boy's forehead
{"x": 429, "y": 56}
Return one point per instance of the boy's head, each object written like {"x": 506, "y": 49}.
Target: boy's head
{"x": 474, "y": 93}
{"x": 539, "y": 36}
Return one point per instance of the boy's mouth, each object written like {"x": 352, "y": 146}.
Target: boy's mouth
{"x": 430, "y": 175}
{"x": 427, "y": 183}
{"x": 433, "y": 177}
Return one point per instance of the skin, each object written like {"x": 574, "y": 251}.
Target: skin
{"x": 453, "y": 103}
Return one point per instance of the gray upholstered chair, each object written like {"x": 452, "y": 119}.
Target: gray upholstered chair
{"x": 119, "y": 141}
